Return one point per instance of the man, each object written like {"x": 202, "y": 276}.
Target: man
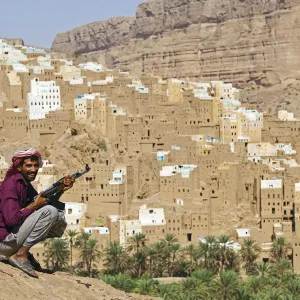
{"x": 24, "y": 221}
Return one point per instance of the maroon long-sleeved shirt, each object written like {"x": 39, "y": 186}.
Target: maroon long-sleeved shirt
{"x": 14, "y": 196}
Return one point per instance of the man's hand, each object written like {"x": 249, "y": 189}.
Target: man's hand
{"x": 68, "y": 183}
{"x": 38, "y": 203}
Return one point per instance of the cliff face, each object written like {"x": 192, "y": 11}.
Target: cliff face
{"x": 100, "y": 35}
{"x": 231, "y": 40}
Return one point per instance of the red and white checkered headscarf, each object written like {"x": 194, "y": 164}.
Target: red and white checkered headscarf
{"x": 17, "y": 159}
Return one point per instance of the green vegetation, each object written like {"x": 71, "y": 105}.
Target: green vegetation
{"x": 210, "y": 270}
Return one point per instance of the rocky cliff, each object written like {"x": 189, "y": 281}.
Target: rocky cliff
{"x": 231, "y": 40}
{"x": 18, "y": 286}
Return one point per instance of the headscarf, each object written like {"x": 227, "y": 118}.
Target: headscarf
{"x": 17, "y": 159}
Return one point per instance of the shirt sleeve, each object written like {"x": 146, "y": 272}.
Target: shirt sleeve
{"x": 12, "y": 211}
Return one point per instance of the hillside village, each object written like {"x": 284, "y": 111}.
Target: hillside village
{"x": 168, "y": 156}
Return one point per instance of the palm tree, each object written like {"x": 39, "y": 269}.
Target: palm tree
{"x": 82, "y": 242}
{"x": 120, "y": 281}
{"x": 293, "y": 288}
{"x": 189, "y": 284}
{"x": 167, "y": 291}
{"x": 90, "y": 254}
{"x": 137, "y": 243}
{"x": 275, "y": 294}
{"x": 175, "y": 256}
{"x": 151, "y": 256}
{"x": 169, "y": 239}
{"x": 282, "y": 267}
{"x": 256, "y": 284}
{"x": 226, "y": 286}
{"x": 249, "y": 253}
{"x": 159, "y": 258}
{"x": 146, "y": 286}
{"x": 243, "y": 293}
{"x": 225, "y": 248}
{"x": 138, "y": 263}
{"x": 203, "y": 275}
{"x": 191, "y": 251}
{"x": 116, "y": 258}
{"x": 280, "y": 249}
{"x": 209, "y": 253}
{"x": 263, "y": 270}
{"x": 71, "y": 234}
{"x": 57, "y": 253}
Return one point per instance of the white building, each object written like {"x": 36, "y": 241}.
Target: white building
{"x": 151, "y": 216}
{"x": 184, "y": 170}
{"x": 43, "y": 98}
{"x": 271, "y": 184}
{"x": 74, "y": 214}
{"x": 284, "y": 115}
{"x": 20, "y": 68}
{"x": 129, "y": 228}
{"x": 118, "y": 176}
{"x": 98, "y": 230}
{"x": 91, "y": 66}
{"x": 9, "y": 54}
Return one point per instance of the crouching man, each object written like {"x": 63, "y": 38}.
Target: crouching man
{"x": 23, "y": 221}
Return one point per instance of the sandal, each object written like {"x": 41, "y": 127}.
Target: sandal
{"x": 25, "y": 266}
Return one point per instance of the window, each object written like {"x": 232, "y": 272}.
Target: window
{"x": 273, "y": 210}
{"x": 69, "y": 211}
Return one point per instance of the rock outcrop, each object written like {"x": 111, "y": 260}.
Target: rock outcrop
{"x": 231, "y": 40}
{"x": 18, "y": 286}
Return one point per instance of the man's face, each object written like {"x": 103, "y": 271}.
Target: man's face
{"x": 29, "y": 169}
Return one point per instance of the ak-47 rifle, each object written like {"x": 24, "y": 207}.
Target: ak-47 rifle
{"x": 58, "y": 185}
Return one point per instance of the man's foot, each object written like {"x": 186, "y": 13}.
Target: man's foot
{"x": 25, "y": 266}
{"x": 3, "y": 258}
{"x": 36, "y": 265}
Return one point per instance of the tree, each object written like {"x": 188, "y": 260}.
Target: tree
{"x": 57, "y": 253}
{"x": 280, "y": 249}
{"x": 209, "y": 253}
{"x": 159, "y": 258}
{"x": 203, "y": 275}
{"x": 191, "y": 251}
{"x": 249, "y": 253}
{"x": 168, "y": 240}
{"x": 90, "y": 254}
{"x": 282, "y": 267}
{"x": 192, "y": 287}
{"x": 116, "y": 259}
{"x": 71, "y": 234}
{"x": 243, "y": 293}
{"x": 226, "y": 286}
{"x": 151, "y": 253}
{"x": 120, "y": 281}
{"x": 137, "y": 243}
{"x": 293, "y": 288}
{"x": 175, "y": 256}
{"x": 146, "y": 286}
{"x": 82, "y": 243}
{"x": 138, "y": 262}
{"x": 256, "y": 284}
{"x": 225, "y": 247}
{"x": 263, "y": 270}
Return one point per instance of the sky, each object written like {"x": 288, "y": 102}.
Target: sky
{"x": 38, "y": 21}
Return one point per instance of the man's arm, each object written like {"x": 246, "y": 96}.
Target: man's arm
{"x": 12, "y": 211}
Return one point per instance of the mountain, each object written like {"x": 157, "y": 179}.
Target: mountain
{"x": 231, "y": 40}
